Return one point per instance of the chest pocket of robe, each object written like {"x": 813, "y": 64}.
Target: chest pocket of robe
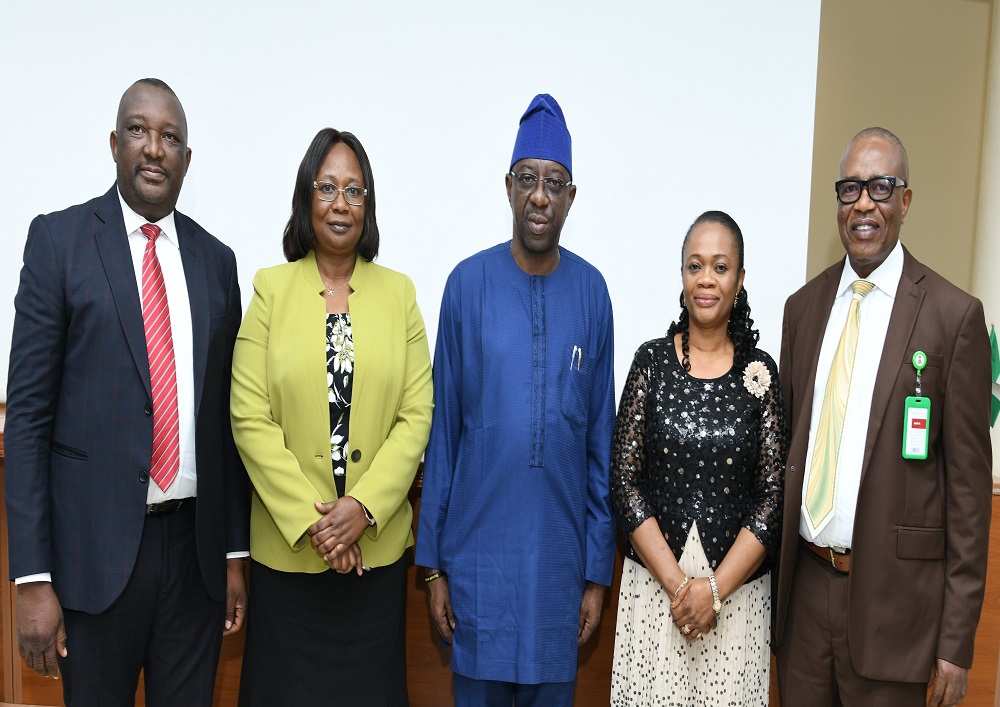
{"x": 576, "y": 376}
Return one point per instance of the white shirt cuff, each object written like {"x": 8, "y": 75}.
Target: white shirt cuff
{"x": 40, "y": 577}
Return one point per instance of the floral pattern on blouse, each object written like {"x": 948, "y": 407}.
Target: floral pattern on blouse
{"x": 708, "y": 450}
{"x": 339, "y": 383}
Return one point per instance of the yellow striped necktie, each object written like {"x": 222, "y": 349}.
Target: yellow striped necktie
{"x": 822, "y": 486}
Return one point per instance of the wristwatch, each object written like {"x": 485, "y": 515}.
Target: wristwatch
{"x": 369, "y": 516}
{"x": 717, "y": 604}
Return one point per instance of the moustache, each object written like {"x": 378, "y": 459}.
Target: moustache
{"x": 155, "y": 167}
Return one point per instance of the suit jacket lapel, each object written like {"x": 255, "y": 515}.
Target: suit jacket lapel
{"x": 311, "y": 308}
{"x": 113, "y": 248}
{"x": 909, "y": 297}
{"x": 360, "y": 300}
{"x": 808, "y": 347}
{"x": 197, "y": 286}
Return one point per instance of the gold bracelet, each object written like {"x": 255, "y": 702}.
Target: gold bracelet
{"x": 681, "y": 586}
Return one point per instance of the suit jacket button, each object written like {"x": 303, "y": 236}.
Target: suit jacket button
{"x": 148, "y": 409}
{"x": 356, "y": 455}
{"x": 143, "y": 476}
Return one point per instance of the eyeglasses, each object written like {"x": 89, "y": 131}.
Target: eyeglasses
{"x": 879, "y": 188}
{"x": 527, "y": 183}
{"x": 355, "y": 196}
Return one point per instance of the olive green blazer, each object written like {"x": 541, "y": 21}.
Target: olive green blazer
{"x": 281, "y": 413}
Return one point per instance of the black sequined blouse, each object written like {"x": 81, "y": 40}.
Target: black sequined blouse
{"x": 707, "y": 450}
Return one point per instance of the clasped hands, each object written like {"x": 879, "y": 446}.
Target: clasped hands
{"x": 692, "y": 610}
{"x": 335, "y": 535}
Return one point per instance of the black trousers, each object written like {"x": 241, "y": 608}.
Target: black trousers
{"x": 164, "y": 623}
{"x": 325, "y": 639}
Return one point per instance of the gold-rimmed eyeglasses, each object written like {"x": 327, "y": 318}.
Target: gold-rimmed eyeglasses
{"x": 353, "y": 195}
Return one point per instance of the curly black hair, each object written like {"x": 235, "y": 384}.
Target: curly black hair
{"x": 740, "y": 326}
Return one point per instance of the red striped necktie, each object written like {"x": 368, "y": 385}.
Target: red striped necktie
{"x": 162, "y": 374}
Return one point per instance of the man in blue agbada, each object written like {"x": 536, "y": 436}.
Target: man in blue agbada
{"x": 515, "y": 528}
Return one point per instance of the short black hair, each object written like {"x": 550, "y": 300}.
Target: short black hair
{"x": 299, "y": 238}
{"x": 160, "y": 84}
{"x": 879, "y": 133}
{"x": 157, "y": 84}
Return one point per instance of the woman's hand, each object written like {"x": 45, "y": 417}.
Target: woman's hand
{"x": 342, "y": 524}
{"x": 692, "y": 609}
{"x": 347, "y": 561}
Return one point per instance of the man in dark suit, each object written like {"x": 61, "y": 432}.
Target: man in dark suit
{"x": 880, "y": 587}
{"x": 127, "y": 502}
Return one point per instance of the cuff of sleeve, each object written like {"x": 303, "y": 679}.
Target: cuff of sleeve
{"x": 40, "y": 577}
{"x": 237, "y": 555}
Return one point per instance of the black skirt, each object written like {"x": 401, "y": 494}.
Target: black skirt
{"x": 325, "y": 639}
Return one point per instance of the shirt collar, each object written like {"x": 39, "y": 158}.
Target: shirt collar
{"x": 885, "y": 277}
{"x": 133, "y": 221}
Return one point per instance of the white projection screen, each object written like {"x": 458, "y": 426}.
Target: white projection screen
{"x": 675, "y": 107}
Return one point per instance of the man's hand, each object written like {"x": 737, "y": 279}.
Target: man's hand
{"x": 40, "y": 629}
{"x": 948, "y": 684}
{"x": 236, "y": 596}
{"x": 590, "y": 611}
{"x": 439, "y": 604}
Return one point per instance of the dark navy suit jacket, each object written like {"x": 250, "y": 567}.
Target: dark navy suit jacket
{"x": 79, "y": 425}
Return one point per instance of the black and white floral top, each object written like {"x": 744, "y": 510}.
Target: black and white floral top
{"x": 339, "y": 383}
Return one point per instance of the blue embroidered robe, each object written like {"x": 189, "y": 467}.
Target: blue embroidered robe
{"x": 515, "y": 505}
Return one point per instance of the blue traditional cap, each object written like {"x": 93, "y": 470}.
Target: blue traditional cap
{"x": 543, "y": 134}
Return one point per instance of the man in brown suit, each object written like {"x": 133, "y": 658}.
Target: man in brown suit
{"x": 877, "y": 601}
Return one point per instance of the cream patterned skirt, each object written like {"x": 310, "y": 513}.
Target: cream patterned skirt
{"x": 654, "y": 665}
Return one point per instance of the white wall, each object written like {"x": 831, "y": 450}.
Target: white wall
{"x": 674, "y": 107}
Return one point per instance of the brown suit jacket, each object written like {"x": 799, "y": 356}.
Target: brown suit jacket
{"x": 921, "y": 530}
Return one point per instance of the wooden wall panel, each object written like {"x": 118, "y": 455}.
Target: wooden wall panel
{"x": 984, "y": 671}
{"x": 8, "y": 648}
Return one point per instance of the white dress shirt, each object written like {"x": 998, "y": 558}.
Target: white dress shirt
{"x": 168, "y": 252}
{"x": 874, "y": 314}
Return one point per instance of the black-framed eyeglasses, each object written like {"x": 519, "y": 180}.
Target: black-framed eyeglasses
{"x": 879, "y": 188}
{"x": 355, "y": 196}
{"x": 526, "y": 183}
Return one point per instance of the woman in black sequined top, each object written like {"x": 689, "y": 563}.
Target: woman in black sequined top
{"x": 697, "y": 475}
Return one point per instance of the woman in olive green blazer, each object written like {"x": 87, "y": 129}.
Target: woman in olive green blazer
{"x": 328, "y": 571}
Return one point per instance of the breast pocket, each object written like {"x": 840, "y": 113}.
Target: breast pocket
{"x": 931, "y": 377}
{"x": 576, "y": 377}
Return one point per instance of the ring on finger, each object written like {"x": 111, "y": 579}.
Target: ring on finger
{"x": 699, "y": 634}
{"x": 685, "y": 629}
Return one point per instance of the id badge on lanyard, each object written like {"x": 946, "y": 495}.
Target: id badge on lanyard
{"x": 916, "y": 417}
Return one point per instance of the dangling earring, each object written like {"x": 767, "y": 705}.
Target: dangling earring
{"x": 683, "y": 302}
